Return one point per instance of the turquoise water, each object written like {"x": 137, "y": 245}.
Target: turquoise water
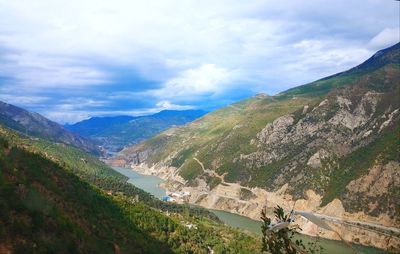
{"x": 151, "y": 185}
{"x": 253, "y": 226}
{"x": 144, "y": 182}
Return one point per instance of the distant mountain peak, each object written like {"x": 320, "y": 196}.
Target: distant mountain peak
{"x": 34, "y": 124}
{"x": 118, "y": 131}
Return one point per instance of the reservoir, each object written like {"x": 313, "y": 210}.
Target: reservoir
{"x": 145, "y": 182}
{"x": 151, "y": 185}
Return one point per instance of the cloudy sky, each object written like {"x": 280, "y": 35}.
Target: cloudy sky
{"x": 73, "y": 59}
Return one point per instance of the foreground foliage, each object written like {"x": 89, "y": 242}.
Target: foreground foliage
{"x": 46, "y": 208}
{"x": 279, "y": 240}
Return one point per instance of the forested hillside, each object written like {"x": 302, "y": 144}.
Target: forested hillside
{"x": 46, "y": 207}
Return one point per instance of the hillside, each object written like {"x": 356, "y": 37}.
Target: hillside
{"x": 36, "y": 125}
{"x": 333, "y": 145}
{"x": 116, "y": 132}
{"x": 91, "y": 170}
{"x": 45, "y": 207}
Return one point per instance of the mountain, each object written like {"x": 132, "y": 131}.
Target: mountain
{"x": 95, "y": 125}
{"x": 320, "y": 87}
{"x": 118, "y": 131}
{"x": 331, "y": 146}
{"x": 55, "y": 198}
{"x": 36, "y": 125}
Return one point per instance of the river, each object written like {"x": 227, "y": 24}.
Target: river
{"x": 151, "y": 184}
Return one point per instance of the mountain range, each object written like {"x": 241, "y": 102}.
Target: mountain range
{"x": 116, "y": 132}
{"x": 36, "y": 125}
{"x": 331, "y": 146}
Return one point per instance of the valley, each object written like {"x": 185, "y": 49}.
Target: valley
{"x": 57, "y": 197}
{"x": 333, "y": 152}
{"x": 200, "y": 127}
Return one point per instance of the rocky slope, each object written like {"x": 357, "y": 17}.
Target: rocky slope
{"x": 36, "y": 125}
{"x": 118, "y": 131}
{"x": 331, "y": 146}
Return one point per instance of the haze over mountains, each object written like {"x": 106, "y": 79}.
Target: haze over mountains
{"x": 116, "y": 132}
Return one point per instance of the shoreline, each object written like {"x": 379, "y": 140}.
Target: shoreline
{"x": 309, "y": 229}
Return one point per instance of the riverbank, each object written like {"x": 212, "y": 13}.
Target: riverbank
{"x": 150, "y": 184}
{"x": 359, "y": 228}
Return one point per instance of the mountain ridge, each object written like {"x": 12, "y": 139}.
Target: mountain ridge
{"x": 388, "y": 55}
{"x": 119, "y": 131}
{"x": 36, "y": 125}
{"x": 313, "y": 143}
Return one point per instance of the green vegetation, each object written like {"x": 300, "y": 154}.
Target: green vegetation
{"x": 76, "y": 160}
{"x": 190, "y": 169}
{"x": 266, "y": 174}
{"x": 212, "y": 181}
{"x": 246, "y": 194}
{"x": 45, "y": 209}
{"x": 322, "y": 86}
{"x": 95, "y": 172}
{"x": 281, "y": 240}
{"x": 181, "y": 157}
{"x": 385, "y": 148}
{"x": 68, "y": 215}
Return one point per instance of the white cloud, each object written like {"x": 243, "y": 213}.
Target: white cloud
{"x": 67, "y": 38}
{"x": 206, "y": 79}
{"x": 79, "y": 103}
{"x": 73, "y": 115}
{"x": 67, "y": 117}
{"x": 385, "y": 38}
{"x": 163, "y": 105}
{"x": 191, "y": 49}
{"x": 32, "y": 71}
{"x": 23, "y": 100}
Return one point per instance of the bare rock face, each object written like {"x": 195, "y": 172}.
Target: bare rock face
{"x": 363, "y": 112}
{"x": 135, "y": 155}
{"x": 315, "y": 159}
{"x": 275, "y": 132}
{"x": 334, "y": 208}
{"x": 335, "y": 128}
{"x": 374, "y": 188}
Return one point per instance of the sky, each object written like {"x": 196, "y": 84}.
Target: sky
{"x": 74, "y": 59}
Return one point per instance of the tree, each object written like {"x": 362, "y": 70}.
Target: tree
{"x": 278, "y": 238}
